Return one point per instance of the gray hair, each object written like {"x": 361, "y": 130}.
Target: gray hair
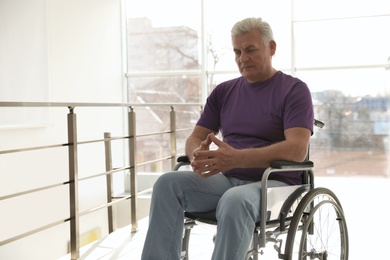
{"x": 248, "y": 24}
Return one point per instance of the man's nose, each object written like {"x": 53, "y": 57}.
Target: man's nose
{"x": 243, "y": 57}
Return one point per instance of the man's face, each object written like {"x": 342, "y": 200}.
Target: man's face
{"x": 253, "y": 58}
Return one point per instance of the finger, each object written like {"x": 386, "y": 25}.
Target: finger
{"x": 202, "y": 169}
{"x": 199, "y": 168}
{"x": 202, "y": 155}
{"x": 215, "y": 140}
{"x": 208, "y": 140}
{"x": 205, "y": 144}
{"x": 209, "y": 174}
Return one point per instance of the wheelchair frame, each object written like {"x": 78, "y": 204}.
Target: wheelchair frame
{"x": 305, "y": 213}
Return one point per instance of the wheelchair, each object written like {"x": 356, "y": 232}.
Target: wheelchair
{"x": 302, "y": 221}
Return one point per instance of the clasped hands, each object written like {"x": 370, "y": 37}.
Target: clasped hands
{"x": 208, "y": 162}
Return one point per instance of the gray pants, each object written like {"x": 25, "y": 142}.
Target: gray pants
{"x": 237, "y": 204}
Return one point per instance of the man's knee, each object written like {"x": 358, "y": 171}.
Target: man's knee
{"x": 171, "y": 181}
{"x": 234, "y": 204}
{"x": 164, "y": 181}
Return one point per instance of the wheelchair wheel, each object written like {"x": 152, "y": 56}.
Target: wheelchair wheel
{"x": 318, "y": 229}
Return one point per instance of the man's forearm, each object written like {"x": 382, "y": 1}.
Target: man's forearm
{"x": 191, "y": 144}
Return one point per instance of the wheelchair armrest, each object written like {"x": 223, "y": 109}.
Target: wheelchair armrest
{"x": 183, "y": 159}
{"x": 291, "y": 165}
{"x": 319, "y": 123}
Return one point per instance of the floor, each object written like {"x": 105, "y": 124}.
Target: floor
{"x": 122, "y": 244}
{"x": 365, "y": 203}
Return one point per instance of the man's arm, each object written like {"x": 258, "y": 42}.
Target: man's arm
{"x": 293, "y": 148}
{"x": 194, "y": 141}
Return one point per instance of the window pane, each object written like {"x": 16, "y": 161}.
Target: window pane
{"x": 218, "y": 23}
{"x": 161, "y": 48}
{"x": 342, "y": 42}
{"x": 355, "y": 139}
{"x": 163, "y": 42}
{"x": 327, "y": 9}
{"x": 351, "y": 82}
{"x": 164, "y": 89}
{"x": 168, "y": 13}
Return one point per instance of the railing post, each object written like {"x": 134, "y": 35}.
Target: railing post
{"x": 133, "y": 172}
{"x": 73, "y": 186}
{"x": 108, "y": 156}
{"x": 173, "y": 137}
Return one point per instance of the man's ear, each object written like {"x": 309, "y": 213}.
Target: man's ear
{"x": 272, "y": 47}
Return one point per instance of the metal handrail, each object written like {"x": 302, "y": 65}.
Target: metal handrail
{"x": 76, "y": 104}
{"x": 73, "y": 181}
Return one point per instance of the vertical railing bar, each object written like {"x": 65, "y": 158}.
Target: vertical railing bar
{"x": 173, "y": 136}
{"x": 133, "y": 172}
{"x": 73, "y": 185}
{"x": 108, "y": 157}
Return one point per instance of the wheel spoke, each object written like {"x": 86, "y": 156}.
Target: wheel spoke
{"x": 318, "y": 229}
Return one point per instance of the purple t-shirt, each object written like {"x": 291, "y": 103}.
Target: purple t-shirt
{"x": 256, "y": 115}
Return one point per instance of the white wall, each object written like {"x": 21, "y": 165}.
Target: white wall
{"x": 85, "y": 50}
{"x": 55, "y": 51}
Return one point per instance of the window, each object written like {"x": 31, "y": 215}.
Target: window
{"x": 345, "y": 63}
{"x": 182, "y": 53}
